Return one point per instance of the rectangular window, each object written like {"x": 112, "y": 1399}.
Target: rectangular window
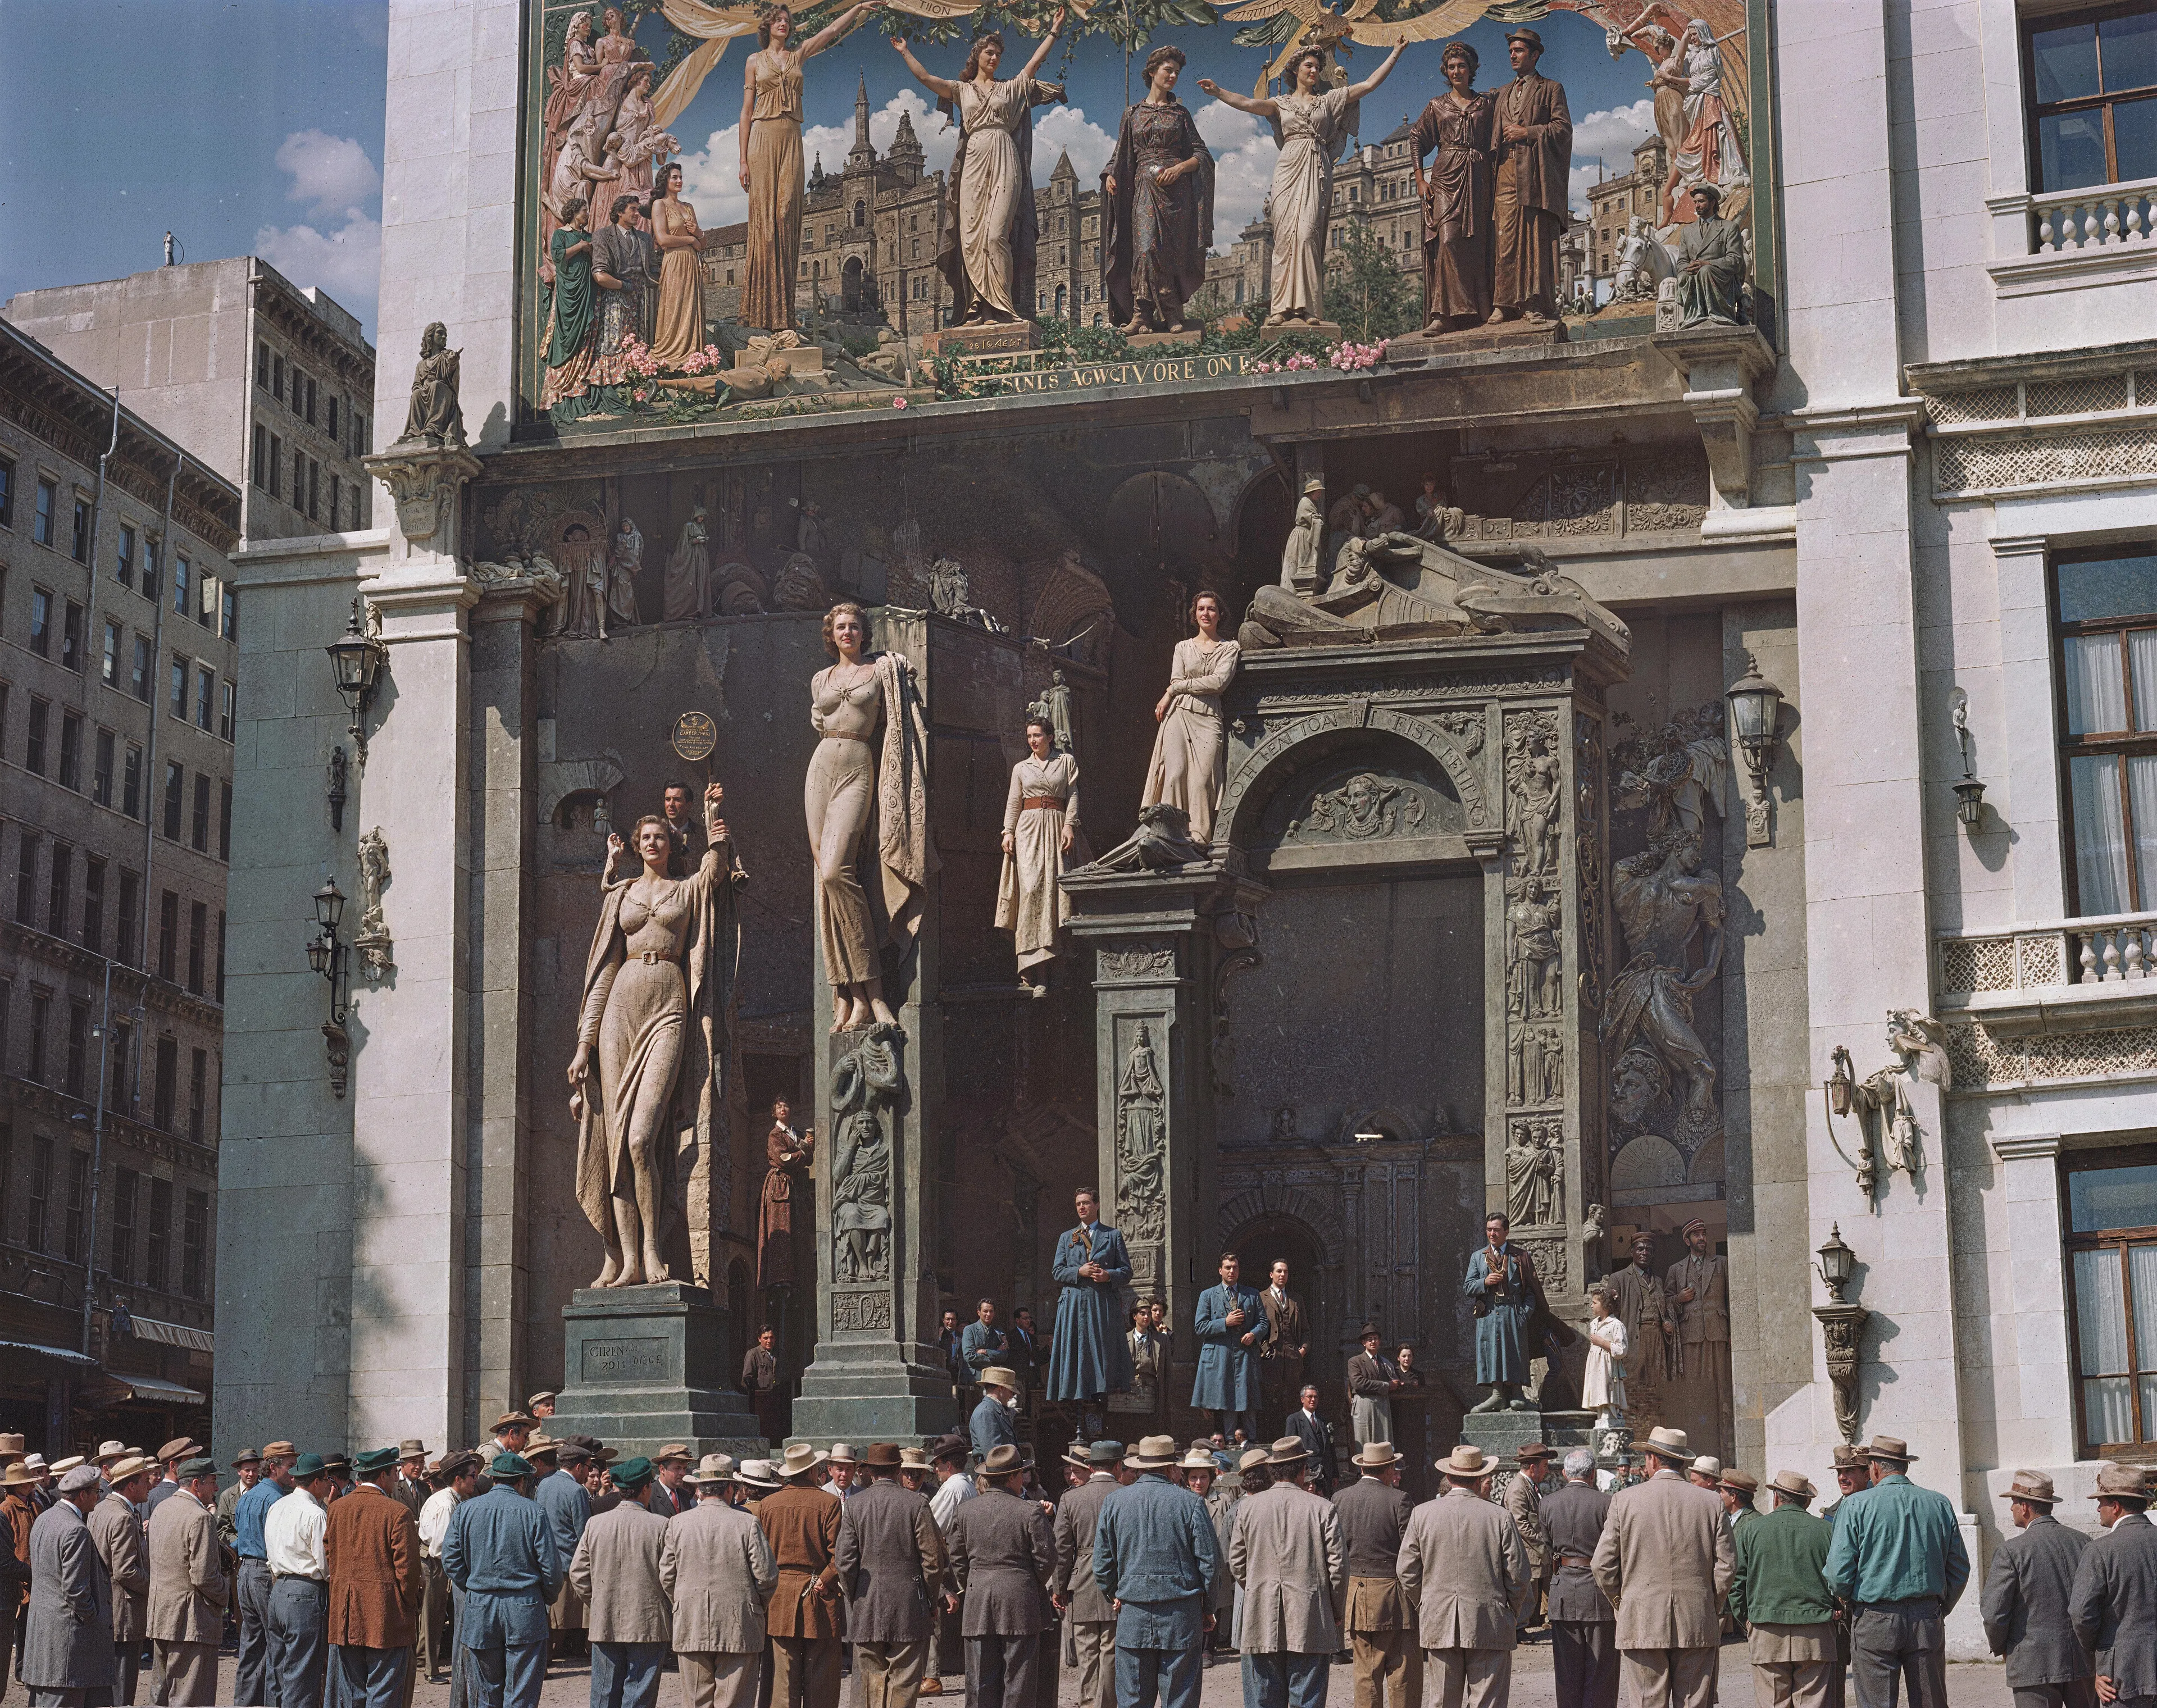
{"x": 80, "y": 548}
{"x": 314, "y": 489}
{"x": 2105, "y": 624}
{"x": 26, "y": 879}
{"x": 41, "y": 1020}
{"x": 158, "y": 1245}
{"x": 194, "y": 1246}
{"x": 120, "y": 1094}
{"x": 71, "y": 751}
{"x": 364, "y": 433}
{"x": 181, "y": 571}
{"x": 163, "y": 1094}
{"x": 227, "y": 612}
{"x": 108, "y": 664}
{"x": 257, "y": 463}
{"x": 6, "y": 493}
{"x": 78, "y": 1050}
{"x": 92, "y": 905}
{"x": 130, "y": 910}
{"x": 41, "y": 622}
{"x": 227, "y": 711}
{"x": 41, "y": 1192}
{"x": 71, "y": 637}
{"x": 224, "y": 820}
{"x": 126, "y": 1185}
{"x": 337, "y": 506}
{"x": 78, "y": 1204}
{"x": 2091, "y": 96}
{"x": 176, "y": 796}
{"x": 130, "y": 783}
{"x": 100, "y": 770}
{"x": 197, "y": 1093}
{"x": 220, "y": 958}
{"x": 311, "y": 400}
{"x": 197, "y": 944}
{"x": 277, "y": 377}
{"x": 276, "y": 466}
{"x": 2112, "y": 1256}
{"x": 41, "y": 524}
{"x": 169, "y": 936}
{"x": 262, "y": 364}
{"x": 124, "y": 563}
{"x": 198, "y": 838}
{"x": 205, "y": 699}
{"x": 62, "y": 882}
{"x": 33, "y": 754}
{"x": 178, "y": 699}
{"x": 138, "y": 677}
{"x": 152, "y": 555}
{"x": 333, "y": 415}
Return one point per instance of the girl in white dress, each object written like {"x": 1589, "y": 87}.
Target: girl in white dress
{"x": 1311, "y": 127}
{"x": 1603, "y": 1383}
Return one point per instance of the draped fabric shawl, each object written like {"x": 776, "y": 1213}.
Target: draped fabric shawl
{"x": 906, "y": 848}
{"x": 1120, "y": 225}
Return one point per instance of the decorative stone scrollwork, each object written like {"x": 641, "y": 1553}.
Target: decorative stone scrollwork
{"x": 1141, "y": 1143}
{"x": 1553, "y": 1262}
{"x": 1535, "y": 1172}
{"x": 423, "y": 483}
{"x": 1366, "y": 807}
{"x": 861, "y": 1310}
{"x": 1136, "y": 960}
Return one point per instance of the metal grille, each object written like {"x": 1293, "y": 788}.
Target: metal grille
{"x": 2086, "y": 396}
{"x": 1962, "y": 465}
{"x": 1991, "y": 402}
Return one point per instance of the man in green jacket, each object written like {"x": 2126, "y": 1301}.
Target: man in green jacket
{"x": 1780, "y": 1592}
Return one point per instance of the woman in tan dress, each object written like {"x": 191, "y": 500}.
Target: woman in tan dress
{"x": 771, "y": 161}
{"x": 1189, "y": 752}
{"x": 678, "y": 328}
{"x": 860, "y": 783}
{"x": 1041, "y": 821}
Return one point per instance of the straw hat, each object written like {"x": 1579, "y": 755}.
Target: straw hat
{"x": 1153, "y": 1452}
{"x": 1707, "y": 1465}
{"x": 913, "y": 1458}
{"x": 1466, "y": 1461}
{"x": 801, "y": 1459}
{"x": 60, "y": 1468}
{"x": 1668, "y": 1445}
{"x": 1849, "y": 1458}
{"x": 109, "y": 1450}
{"x": 18, "y": 1476}
{"x": 542, "y": 1446}
{"x": 995, "y": 1376}
{"x": 1791, "y": 1484}
{"x": 757, "y": 1473}
{"x": 713, "y": 1468}
{"x": 129, "y": 1465}
{"x": 2034, "y": 1486}
{"x": 1891, "y": 1449}
{"x": 1375, "y": 1456}
{"x": 411, "y": 1449}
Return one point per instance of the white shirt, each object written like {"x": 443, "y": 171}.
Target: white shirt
{"x": 292, "y": 1534}
{"x": 944, "y": 1504}
{"x": 435, "y": 1521}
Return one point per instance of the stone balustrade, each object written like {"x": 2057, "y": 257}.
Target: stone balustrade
{"x": 2070, "y": 220}
{"x": 2110, "y": 949}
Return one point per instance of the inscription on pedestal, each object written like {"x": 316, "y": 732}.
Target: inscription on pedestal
{"x": 643, "y": 1359}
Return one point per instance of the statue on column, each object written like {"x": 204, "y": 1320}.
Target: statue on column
{"x": 1710, "y": 269}
{"x": 1640, "y": 1303}
{"x": 1529, "y": 205}
{"x": 1041, "y": 821}
{"x": 787, "y": 1155}
{"x": 1189, "y": 752}
{"x": 658, "y": 989}
{"x": 435, "y": 416}
{"x": 1300, "y": 571}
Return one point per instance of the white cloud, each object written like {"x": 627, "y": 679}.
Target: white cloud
{"x": 1243, "y": 155}
{"x": 328, "y": 173}
{"x": 711, "y": 176}
{"x": 1611, "y": 134}
{"x": 1060, "y": 130}
{"x": 347, "y": 261}
{"x": 709, "y": 183}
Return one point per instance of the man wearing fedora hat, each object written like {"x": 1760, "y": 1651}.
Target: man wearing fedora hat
{"x": 1372, "y": 1383}
{"x": 2028, "y": 1589}
{"x": 1463, "y": 1565}
{"x": 254, "y": 1684}
{"x": 1078, "y": 1592}
{"x": 562, "y": 1495}
{"x": 1523, "y": 1500}
{"x": 1665, "y": 1562}
{"x": 247, "y": 1465}
{"x": 1529, "y": 201}
{"x": 377, "y": 1585}
{"x": 1156, "y": 1558}
{"x": 498, "y": 1552}
{"x": 1583, "y": 1654}
{"x": 616, "y": 1574}
{"x": 1898, "y": 1559}
{"x": 801, "y": 1523}
{"x": 1003, "y": 1557}
{"x": 991, "y": 1426}
{"x": 116, "y": 1528}
{"x": 1779, "y": 1596}
{"x": 954, "y": 1487}
{"x": 188, "y": 1588}
{"x": 2114, "y": 1601}
{"x": 1373, "y": 1514}
{"x": 1287, "y": 1553}
{"x": 299, "y": 1588}
{"x": 67, "y": 1647}
{"x": 460, "y": 1480}
{"x": 669, "y": 1465}
{"x": 892, "y": 1569}
{"x": 716, "y": 1569}
{"x": 181, "y": 1447}
{"x": 17, "y": 1519}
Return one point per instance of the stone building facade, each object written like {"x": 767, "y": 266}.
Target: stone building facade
{"x": 272, "y": 383}
{"x": 117, "y": 718}
{"x": 1613, "y": 201}
{"x": 1525, "y": 916}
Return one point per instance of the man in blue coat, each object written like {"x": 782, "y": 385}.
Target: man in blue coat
{"x": 1089, "y": 1357}
{"x": 499, "y": 1551}
{"x": 1156, "y": 1559}
{"x": 563, "y": 1497}
{"x": 1232, "y": 1322}
{"x": 1501, "y": 1285}
{"x": 991, "y": 1426}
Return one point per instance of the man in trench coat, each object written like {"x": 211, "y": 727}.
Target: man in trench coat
{"x": 1003, "y": 1555}
{"x": 716, "y": 1569}
{"x": 188, "y": 1589}
{"x": 617, "y": 1573}
{"x": 116, "y": 1526}
{"x": 1287, "y": 1553}
{"x": 377, "y": 1584}
{"x": 801, "y": 1523}
{"x": 891, "y": 1566}
{"x": 67, "y": 1644}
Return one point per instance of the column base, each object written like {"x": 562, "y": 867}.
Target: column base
{"x": 645, "y": 1370}
{"x": 1502, "y": 1435}
{"x": 874, "y": 1392}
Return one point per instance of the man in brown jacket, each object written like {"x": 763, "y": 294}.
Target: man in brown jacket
{"x": 17, "y": 1516}
{"x": 1373, "y": 1513}
{"x": 371, "y": 1543}
{"x": 1003, "y": 1554}
{"x": 188, "y": 1590}
{"x": 115, "y": 1530}
{"x": 1665, "y": 1563}
{"x": 801, "y": 1523}
{"x": 616, "y": 1574}
{"x": 1529, "y": 200}
{"x": 891, "y": 1565}
{"x": 1463, "y": 1563}
{"x": 1093, "y": 1615}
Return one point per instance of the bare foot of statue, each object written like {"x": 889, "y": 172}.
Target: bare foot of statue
{"x": 611, "y": 1271}
{"x": 882, "y": 1010}
{"x": 655, "y": 1267}
{"x": 1494, "y": 1401}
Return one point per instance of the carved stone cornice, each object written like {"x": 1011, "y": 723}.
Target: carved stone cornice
{"x": 425, "y": 482}
{"x": 2026, "y": 1147}
{"x": 1720, "y": 365}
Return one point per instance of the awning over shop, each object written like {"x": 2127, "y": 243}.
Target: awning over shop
{"x": 75, "y": 1360}
{"x": 155, "y": 1390}
{"x": 174, "y": 1334}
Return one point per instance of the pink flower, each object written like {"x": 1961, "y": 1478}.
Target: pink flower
{"x": 898, "y": 403}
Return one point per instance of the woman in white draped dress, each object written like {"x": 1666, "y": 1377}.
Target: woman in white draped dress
{"x": 1190, "y": 750}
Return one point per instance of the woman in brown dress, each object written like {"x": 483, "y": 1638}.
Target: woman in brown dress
{"x": 1160, "y": 206}
{"x": 1461, "y": 126}
{"x": 786, "y": 1152}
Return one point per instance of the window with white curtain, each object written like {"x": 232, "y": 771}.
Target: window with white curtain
{"x": 2112, "y": 1253}
{"x": 2106, "y": 615}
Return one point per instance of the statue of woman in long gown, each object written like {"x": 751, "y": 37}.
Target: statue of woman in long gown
{"x": 986, "y": 252}
{"x": 571, "y": 315}
{"x": 567, "y": 85}
{"x": 1190, "y": 750}
{"x": 859, "y": 781}
{"x": 771, "y": 161}
{"x": 688, "y": 585}
{"x": 1159, "y": 206}
{"x": 1041, "y": 822}
{"x": 652, "y": 1022}
{"x": 1311, "y": 129}
{"x": 1459, "y": 129}
{"x": 678, "y": 329}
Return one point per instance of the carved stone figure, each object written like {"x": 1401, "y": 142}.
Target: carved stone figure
{"x": 1300, "y": 573}
{"x": 1643, "y": 263}
{"x": 1681, "y": 779}
{"x": 1530, "y": 199}
{"x": 861, "y": 1200}
{"x": 1436, "y": 520}
{"x": 1365, "y": 807}
{"x": 625, "y": 558}
{"x": 1141, "y": 1147}
{"x": 787, "y": 1155}
{"x": 1535, "y": 918}
{"x": 434, "y": 417}
{"x": 688, "y": 586}
{"x": 1041, "y": 821}
{"x": 951, "y": 595}
{"x": 581, "y": 557}
{"x": 1534, "y": 790}
{"x": 1460, "y": 130}
{"x": 799, "y": 587}
{"x": 1161, "y": 842}
{"x": 1711, "y": 271}
{"x": 1055, "y": 705}
{"x": 1190, "y": 750}
{"x": 1534, "y": 1173}
{"x": 1157, "y": 206}
{"x": 372, "y": 941}
{"x": 658, "y": 989}
{"x": 1665, "y": 901}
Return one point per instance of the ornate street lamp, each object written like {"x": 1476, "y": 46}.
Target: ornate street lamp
{"x": 326, "y": 955}
{"x": 356, "y": 657}
{"x": 1755, "y": 705}
{"x": 1842, "y": 1327}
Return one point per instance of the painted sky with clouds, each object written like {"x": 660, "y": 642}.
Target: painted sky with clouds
{"x": 256, "y": 126}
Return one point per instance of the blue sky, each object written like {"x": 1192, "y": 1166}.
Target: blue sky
{"x": 256, "y": 126}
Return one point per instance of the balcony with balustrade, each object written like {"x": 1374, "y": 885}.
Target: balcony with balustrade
{"x": 2065, "y": 999}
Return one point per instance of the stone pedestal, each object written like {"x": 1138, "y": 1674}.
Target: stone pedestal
{"x": 1328, "y": 330}
{"x": 645, "y": 1366}
{"x": 1186, "y": 339}
{"x": 1006, "y": 339}
{"x": 1502, "y": 1435}
{"x": 1418, "y": 348}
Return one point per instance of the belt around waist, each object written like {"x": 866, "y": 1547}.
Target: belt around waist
{"x": 1917, "y": 1603}
{"x": 1580, "y": 1559}
{"x": 1042, "y": 801}
{"x": 301, "y": 1577}
{"x": 651, "y": 957}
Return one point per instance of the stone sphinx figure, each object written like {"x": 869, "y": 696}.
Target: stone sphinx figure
{"x": 1394, "y": 586}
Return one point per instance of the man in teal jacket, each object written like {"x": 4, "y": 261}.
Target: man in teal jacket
{"x": 1898, "y": 1559}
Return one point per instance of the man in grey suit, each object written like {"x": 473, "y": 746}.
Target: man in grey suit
{"x": 1003, "y": 1554}
{"x": 1078, "y": 1593}
{"x": 116, "y": 1526}
{"x": 67, "y": 1643}
{"x": 1373, "y": 1513}
{"x": 2113, "y": 1602}
{"x": 1156, "y": 1558}
{"x": 2025, "y": 1602}
{"x": 615, "y": 1573}
{"x": 892, "y": 1569}
{"x": 1665, "y": 1563}
{"x": 1287, "y": 1553}
{"x": 188, "y": 1588}
{"x": 1465, "y": 1566}
{"x": 1583, "y": 1654}
{"x": 717, "y": 1569}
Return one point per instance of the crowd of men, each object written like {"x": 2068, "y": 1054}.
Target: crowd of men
{"x": 766, "y": 1580}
